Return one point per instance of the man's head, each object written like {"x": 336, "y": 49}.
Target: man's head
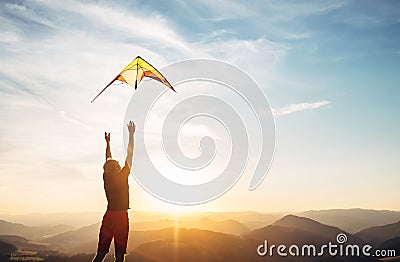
{"x": 111, "y": 166}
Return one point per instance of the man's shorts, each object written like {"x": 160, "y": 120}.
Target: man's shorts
{"x": 115, "y": 225}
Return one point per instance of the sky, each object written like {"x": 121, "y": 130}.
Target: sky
{"x": 330, "y": 71}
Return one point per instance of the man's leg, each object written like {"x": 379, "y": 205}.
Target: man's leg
{"x": 99, "y": 256}
{"x": 119, "y": 257}
{"x": 105, "y": 238}
{"x": 121, "y": 236}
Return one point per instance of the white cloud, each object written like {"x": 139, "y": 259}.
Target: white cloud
{"x": 292, "y": 108}
{"x": 285, "y": 11}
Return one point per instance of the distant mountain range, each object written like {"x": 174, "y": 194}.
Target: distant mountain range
{"x": 164, "y": 244}
{"x": 216, "y": 237}
{"x": 353, "y": 220}
{"x": 350, "y": 220}
{"x": 74, "y": 220}
{"x": 199, "y": 245}
{"x": 32, "y": 232}
{"x": 299, "y": 230}
{"x": 250, "y": 219}
{"x": 85, "y": 238}
{"x": 23, "y": 243}
{"x": 229, "y": 226}
{"x": 184, "y": 244}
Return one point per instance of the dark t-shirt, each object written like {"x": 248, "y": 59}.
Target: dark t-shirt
{"x": 117, "y": 189}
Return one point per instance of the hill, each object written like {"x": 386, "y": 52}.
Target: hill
{"x": 9, "y": 228}
{"x": 301, "y": 231}
{"x": 199, "y": 245}
{"x": 377, "y": 235}
{"x": 250, "y": 219}
{"x": 186, "y": 245}
{"x": 23, "y": 243}
{"x": 229, "y": 226}
{"x": 72, "y": 219}
{"x": 7, "y": 248}
{"x": 392, "y": 244}
{"x": 352, "y": 220}
{"x": 82, "y": 240}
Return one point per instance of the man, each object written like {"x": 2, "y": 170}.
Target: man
{"x": 115, "y": 221}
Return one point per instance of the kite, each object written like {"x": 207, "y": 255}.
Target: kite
{"x": 134, "y": 72}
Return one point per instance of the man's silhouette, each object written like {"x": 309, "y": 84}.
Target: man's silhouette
{"x": 115, "y": 221}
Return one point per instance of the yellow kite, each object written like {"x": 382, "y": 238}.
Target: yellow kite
{"x": 133, "y": 73}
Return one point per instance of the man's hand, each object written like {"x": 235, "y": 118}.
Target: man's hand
{"x": 131, "y": 127}
{"x": 107, "y": 136}
{"x": 129, "y": 155}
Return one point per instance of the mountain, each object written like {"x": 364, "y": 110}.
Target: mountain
{"x": 82, "y": 240}
{"x": 294, "y": 230}
{"x": 250, "y": 219}
{"x": 201, "y": 246}
{"x": 137, "y": 238}
{"x": 73, "y": 219}
{"x": 8, "y": 228}
{"x": 23, "y": 243}
{"x": 152, "y": 225}
{"x": 377, "y": 235}
{"x": 308, "y": 225}
{"x": 186, "y": 245}
{"x": 299, "y": 230}
{"x": 283, "y": 235}
{"x": 352, "y": 220}
{"x": 7, "y": 248}
{"x": 289, "y": 229}
{"x": 229, "y": 226}
{"x": 193, "y": 244}
{"x": 303, "y": 223}
{"x": 392, "y": 244}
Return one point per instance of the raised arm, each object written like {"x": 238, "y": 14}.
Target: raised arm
{"x": 131, "y": 129}
{"x": 108, "y": 150}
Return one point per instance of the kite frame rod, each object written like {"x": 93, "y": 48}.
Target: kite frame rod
{"x": 112, "y": 81}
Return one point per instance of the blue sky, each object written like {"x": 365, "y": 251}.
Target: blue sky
{"x": 330, "y": 69}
